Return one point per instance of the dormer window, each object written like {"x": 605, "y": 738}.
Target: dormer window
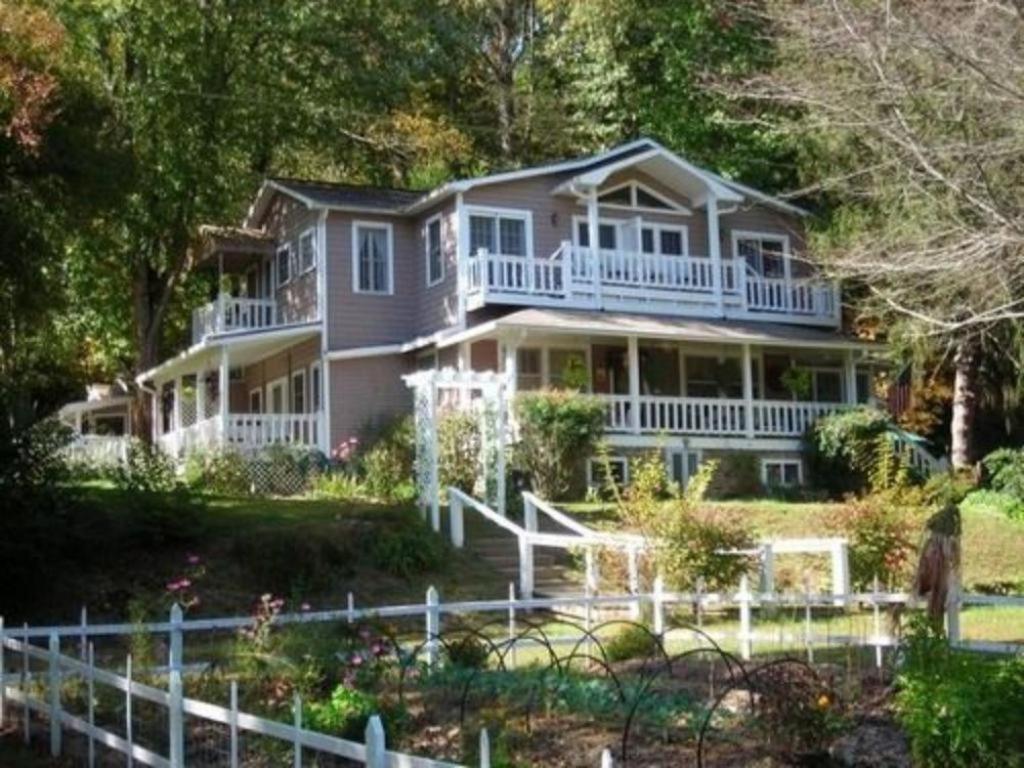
{"x": 635, "y": 195}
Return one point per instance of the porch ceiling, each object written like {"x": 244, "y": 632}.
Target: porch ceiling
{"x": 576, "y": 322}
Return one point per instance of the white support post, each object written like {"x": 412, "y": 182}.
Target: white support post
{"x": 698, "y": 602}
{"x": 593, "y": 235}
{"x": 350, "y": 611}
{"x": 715, "y": 252}
{"x": 455, "y": 521}
{"x": 767, "y": 568}
{"x": 3, "y": 678}
{"x": 53, "y": 685}
{"x": 435, "y": 488}
{"x": 529, "y": 514}
{"x": 511, "y": 363}
{"x": 808, "y": 637}
{"x": 512, "y": 622}
{"x": 877, "y": 622}
{"x": 744, "y": 598}
{"x": 953, "y": 599}
{"x": 297, "y": 722}
{"x": 485, "y": 749}
{"x": 178, "y": 397}
{"x": 433, "y": 626}
{"x": 658, "y": 601}
{"x": 634, "y": 582}
{"x": 224, "y": 393}
{"x": 128, "y": 730}
{"x": 606, "y": 759}
{"x": 840, "y": 571}
{"x": 83, "y": 638}
{"x": 233, "y": 724}
{"x": 633, "y": 365}
{"x": 90, "y": 692}
{"x": 156, "y": 426}
{"x": 525, "y": 568}
{"x": 175, "y": 704}
{"x": 850, "y": 371}
{"x": 502, "y": 427}
{"x": 748, "y": 392}
{"x": 593, "y": 575}
{"x": 376, "y": 755}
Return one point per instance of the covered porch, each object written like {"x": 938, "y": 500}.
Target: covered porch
{"x": 721, "y": 379}
{"x": 219, "y": 395}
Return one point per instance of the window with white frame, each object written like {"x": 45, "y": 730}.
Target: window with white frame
{"x": 781, "y": 473}
{"x": 373, "y": 257}
{"x": 505, "y": 233}
{"x": 633, "y": 194}
{"x": 683, "y": 465}
{"x": 276, "y": 395}
{"x": 298, "y": 404}
{"x": 765, "y": 254}
{"x": 315, "y": 387}
{"x": 307, "y": 250}
{"x": 663, "y": 239}
{"x": 601, "y": 470}
{"x": 434, "y": 253}
{"x": 284, "y": 264}
{"x": 529, "y": 371}
{"x": 607, "y": 235}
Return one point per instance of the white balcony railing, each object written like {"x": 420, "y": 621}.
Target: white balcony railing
{"x": 712, "y": 416}
{"x": 232, "y": 313}
{"x": 575, "y": 276}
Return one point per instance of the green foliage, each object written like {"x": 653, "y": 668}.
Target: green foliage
{"x": 468, "y": 652}
{"x": 223, "y": 471}
{"x": 146, "y": 469}
{"x": 1005, "y": 470}
{"x": 291, "y": 562}
{"x": 799, "y": 382}
{"x": 997, "y": 502}
{"x": 338, "y": 485}
{"x": 345, "y": 714}
{"x": 575, "y": 376}
{"x": 557, "y": 429}
{"x": 458, "y": 450}
{"x": 632, "y": 642}
{"x": 960, "y": 710}
{"x": 882, "y": 530}
{"x": 738, "y": 476}
{"x": 387, "y": 466}
{"x": 408, "y": 550}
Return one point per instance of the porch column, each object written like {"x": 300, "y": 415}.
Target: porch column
{"x": 850, "y": 371}
{"x": 715, "y": 253}
{"x": 633, "y": 366}
{"x": 224, "y": 393}
{"x": 593, "y": 235}
{"x": 200, "y": 395}
{"x": 78, "y": 422}
{"x": 510, "y": 368}
{"x": 748, "y": 391}
{"x": 156, "y": 406}
{"x": 177, "y": 403}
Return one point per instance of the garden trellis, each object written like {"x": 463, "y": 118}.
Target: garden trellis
{"x": 484, "y": 393}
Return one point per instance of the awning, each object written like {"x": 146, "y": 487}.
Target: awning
{"x": 584, "y": 323}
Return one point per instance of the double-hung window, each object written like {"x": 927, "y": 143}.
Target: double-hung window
{"x": 435, "y": 257}
{"x": 307, "y": 251}
{"x": 497, "y": 232}
{"x": 373, "y": 256}
{"x": 315, "y": 385}
{"x": 607, "y": 235}
{"x": 284, "y": 264}
{"x": 298, "y": 392}
{"x": 764, "y": 254}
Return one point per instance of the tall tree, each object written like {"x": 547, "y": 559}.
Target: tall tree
{"x": 912, "y": 112}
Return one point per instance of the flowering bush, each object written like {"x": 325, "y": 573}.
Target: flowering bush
{"x": 345, "y": 713}
{"x": 184, "y": 589}
{"x": 345, "y": 451}
{"x": 257, "y": 635}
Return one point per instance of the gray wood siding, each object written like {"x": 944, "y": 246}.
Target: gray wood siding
{"x": 367, "y": 390}
{"x": 287, "y": 221}
{"x": 438, "y": 305}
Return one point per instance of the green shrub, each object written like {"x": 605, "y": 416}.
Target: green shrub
{"x": 738, "y": 476}
{"x": 223, "y": 471}
{"x": 458, "y": 448}
{"x": 997, "y": 502}
{"x": 338, "y": 486}
{"x": 557, "y": 429}
{"x": 1005, "y": 470}
{"x": 882, "y": 531}
{"x": 959, "y": 709}
{"x": 694, "y": 546}
{"x": 345, "y": 714}
{"x": 468, "y": 652}
{"x": 632, "y": 642}
{"x": 387, "y": 465}
{"x": 408, "y": 550}
{"x": 146, "y": 469}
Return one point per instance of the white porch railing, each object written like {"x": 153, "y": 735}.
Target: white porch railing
{"x": 100, "y": 450}
{"x": 583, "y": 277}
{"x": 713, "y": 416}
{"x": 231, "y": 313}
{"x": 256, "y": 430}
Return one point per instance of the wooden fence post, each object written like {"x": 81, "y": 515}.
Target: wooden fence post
{"x": 233, "y": 724}
{"x": 455, "y": 522}
{"x": 376, "y": 756}
{"x": 525, "y": 567}
{"x": 745, "y": 636}
{"x": 485, "y": 749}
{"x": 658, "y": 600}
{"x": 175, "y": 704}
{"x": 53, "y": 684}
{"x": 433, "y": 621}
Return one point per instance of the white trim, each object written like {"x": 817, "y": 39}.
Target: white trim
{"x": 499, "y": 212}
{"x": 673, "y": 208}
{"x": 612, "y": 459}
{"x": 309, "y": 232}
{"x": 390, "y": 239}
{"x": 292, "y": 390}
{"x": 753, "y": 234}
{"x": 361, "y": 352}
{"x": 782, "y": 462}
{"x": 283, "y": 248}
{"x": 268, "y": 397}
{"x": 438, "y": 219}
{"x": 657, "y": 226}
{"x": 316, "y": 365}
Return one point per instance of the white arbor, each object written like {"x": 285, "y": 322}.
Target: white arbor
{"x": 482, "y": 393}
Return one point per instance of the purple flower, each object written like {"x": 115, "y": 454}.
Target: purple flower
{"x": 193, "y": 559}
{"x": 173, "y": 586}
{"x": 357, "y": 661}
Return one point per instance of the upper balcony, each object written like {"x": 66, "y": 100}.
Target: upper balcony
{"x": 580, "y": 277}
{"x": 231, "y": 313}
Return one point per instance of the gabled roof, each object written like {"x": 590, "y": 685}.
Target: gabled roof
{"x": 588, "y": 169}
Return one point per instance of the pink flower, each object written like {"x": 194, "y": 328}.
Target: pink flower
{"x": 306, "y": 607}
{"x": 173, "y": 586}
{"x": 185, "y": 583}
{"x": 357, "y": 661}
{"x": 193, "y": 559}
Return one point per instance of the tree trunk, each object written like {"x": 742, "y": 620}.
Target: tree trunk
{"x": 965, "y": 402}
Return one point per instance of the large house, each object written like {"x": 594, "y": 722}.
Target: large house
{"x": 684, "y": 295}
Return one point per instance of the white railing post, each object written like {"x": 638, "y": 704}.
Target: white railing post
{"x": 953, "y": 608}
{"x": 512, "y": 621}
{"x": 455, "y": 522}
{"x": 350, "y": 609}
{"x": 529, "y": 513}
{"x": 376, "y": 755}
{"x": 25, "y": 710}
{"x": 807, "y": 621}
{"x": 53, "y": 683}
{"x": 877, "y": 621}
{"x": 129, "y": 736}
{"x": 83, "y": 641}
{"x": 593, "y": 577}
{"x": 698, "y": 602}
{"x": 606, "y": 759}
{"x": 175, "y": 704}
{"x": 233, "y": 724}
{"x": 90, "y": 692}
{"x": 767, "y": 568}
{"x": 658, "y": 603}
{"x": 744, "y": 599}
{"x": 840, "y": 571}
{"x": 525, "y": 567}
{"x": 433, "y": 626}
{"x": 297, "y": 733}
{"x": 634, "y": 583}
{"x": 485, "y": 749}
